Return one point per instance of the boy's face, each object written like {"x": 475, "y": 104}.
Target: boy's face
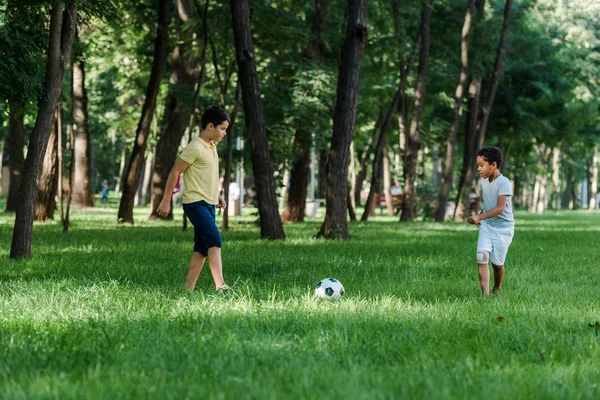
{"x": 484, "y": 168}
{"x": 218, "y": 132}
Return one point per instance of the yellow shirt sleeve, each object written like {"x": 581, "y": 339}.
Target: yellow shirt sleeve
{"x": 190, "y": 153}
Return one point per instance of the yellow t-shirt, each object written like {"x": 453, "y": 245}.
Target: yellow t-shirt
{"x": 201, "y": 179}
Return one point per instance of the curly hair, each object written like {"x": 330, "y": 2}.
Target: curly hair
{"x": 491, "y": 154}
{"x": 215, "y": 115}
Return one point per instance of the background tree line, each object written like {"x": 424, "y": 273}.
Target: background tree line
{"x": 366, "y": 94}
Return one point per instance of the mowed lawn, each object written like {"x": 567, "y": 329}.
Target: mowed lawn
{"x": 101, "y": 313}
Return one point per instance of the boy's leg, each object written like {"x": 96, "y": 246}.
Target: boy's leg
{"x": 196, "y": 264}
{"x": 484, "y": 278}
{"x": 216, "y": 266}
{"x": 498, "y": 276}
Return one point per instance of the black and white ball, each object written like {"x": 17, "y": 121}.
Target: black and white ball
{"x": 329, "y": 288}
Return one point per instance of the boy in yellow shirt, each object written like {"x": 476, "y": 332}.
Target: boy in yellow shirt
{"x": 199, "y": 164}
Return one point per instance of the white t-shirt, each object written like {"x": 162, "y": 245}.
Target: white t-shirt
{"x": 490, "y": 191}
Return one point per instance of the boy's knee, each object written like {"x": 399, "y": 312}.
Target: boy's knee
{"x": 483, "y": 257}
{"x": 497, "y": 267}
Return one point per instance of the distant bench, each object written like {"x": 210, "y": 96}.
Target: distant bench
{"x": 397, "y": 202}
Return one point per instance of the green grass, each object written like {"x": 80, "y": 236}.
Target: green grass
{"x": 100, "y": 313}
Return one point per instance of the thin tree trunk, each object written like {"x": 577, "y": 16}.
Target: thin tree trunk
{"x": 386, "y": 180}
{"x": 335, "y": 225}
{"x": 322, "y": 174}
{"x": 229, "y": 158}
{"x": 121, "y": 165}
{"x": 67, "y": 219}
{"x": 352, "y": 178}
{"x": 381, "y": 143}
{"x": 440, "y": 214}
{"x": 556, "y": 178}
{"x": 15, "y": 141}
{"x": 270, "y": 221}
{"x": 60, "y": 160}
{"x": 594, "y": 185}
{"x": 413, "y": 141}
{"x": 364, "y": 158}
{"x": 134, "y": 169}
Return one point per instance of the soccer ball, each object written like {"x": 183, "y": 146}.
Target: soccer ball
{"x": 329, "y": 288}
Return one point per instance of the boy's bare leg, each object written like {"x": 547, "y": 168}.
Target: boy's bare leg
{"x": 216, "y": 266}
{"x": 498, "y": 276}
{"x": 484, "y": 278}
{"x": 196, "y": 263}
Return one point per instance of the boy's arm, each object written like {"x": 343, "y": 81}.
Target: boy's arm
{"x": 494, "y": 212}
{"x": 165, "y": 205}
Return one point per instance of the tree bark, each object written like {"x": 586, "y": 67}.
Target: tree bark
{"x": 296, "y": 204}
{"x": 15, "y": 141}
{"x": 381, "y": 143}
{"x": 83, "y": 194}
{"x": 364, "y": 158}
{"x": 335, "y": 225}
{"x": 440, "y": 214}
{"x": 134, "y": 168}
{"x": 270, "y": 221}
{"x": 48, "y": 182}
{"x": 594, "y": 185}
{"x": 413, "y": 141}
{"x": 556, "y": 178}
{"x": 62, "y": 32}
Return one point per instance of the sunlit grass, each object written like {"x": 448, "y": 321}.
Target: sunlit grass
{"x": 100, "y": 313}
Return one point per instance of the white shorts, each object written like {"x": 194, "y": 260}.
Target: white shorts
{"x": 496, "y": 241}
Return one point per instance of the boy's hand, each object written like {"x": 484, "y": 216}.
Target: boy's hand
{"x": 222, "y": 203}
{"x": 474, "y": 220}
{"x": 164, "y": 208}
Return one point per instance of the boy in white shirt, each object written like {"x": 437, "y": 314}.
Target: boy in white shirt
{"x": 496, "y": 221}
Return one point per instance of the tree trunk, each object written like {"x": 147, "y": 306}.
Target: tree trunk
{"x": 386, "y": 180}
{"x": 335, "y": 225}
{"x": 381, "y": 143}
{"x": 134, "y": 169}
{"x": 15, "y": 141}
{"x": 270, "y": 222}
{"x": 440, "y": 214}
{"x": 67, "y": 217}
{"x": 413, "y": 142}
{"x": 555, "y": 178}
{"x": 364, "y": 158}
{"x": 486, "y": 111}
{"x": 48, "y": 183}
{"x": 62, "y": 32}
{"x": 83, "y": 194}
{"x": 229, "y": 158}
{"x": 296, "y": 204}
{"x": 594, "y": 185}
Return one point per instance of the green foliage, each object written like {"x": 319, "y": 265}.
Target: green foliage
{"x": 100, "y": 312}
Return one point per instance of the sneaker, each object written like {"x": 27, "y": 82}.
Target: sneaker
{"x": 497, "y": 290}
{"x": 224, "y": 289}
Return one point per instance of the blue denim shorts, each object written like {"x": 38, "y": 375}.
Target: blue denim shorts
{"x": 206, "y": 234}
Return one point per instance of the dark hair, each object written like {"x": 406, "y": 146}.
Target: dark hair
{"x": 492, "y": 155}
{"x": 215, "y": 115}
